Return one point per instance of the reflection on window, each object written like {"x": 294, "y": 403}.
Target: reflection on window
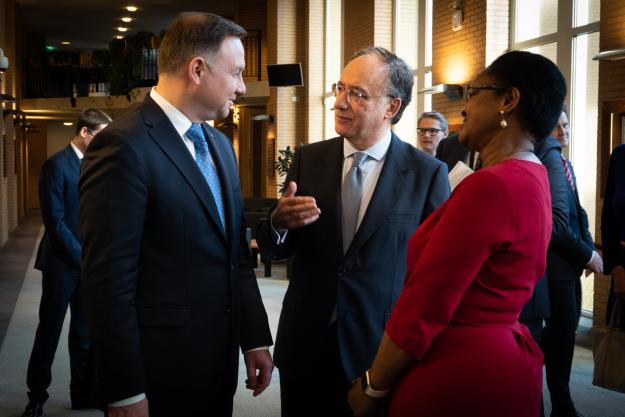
{"x": 586, "y": 11}
{"x": 548, "y": 50}
{"x": 535, "y": 18}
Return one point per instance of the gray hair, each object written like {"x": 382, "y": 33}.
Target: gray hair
{"x": 194, "y": 34}
{"x": 400, "y": 78}
{"x": 434, "y": 115}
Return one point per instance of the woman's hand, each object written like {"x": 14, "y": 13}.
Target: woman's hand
{"x": 361, "y": 404}
{"x": 618, "y": 274}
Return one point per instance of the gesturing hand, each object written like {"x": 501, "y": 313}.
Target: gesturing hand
{"x": 293, "y": 212}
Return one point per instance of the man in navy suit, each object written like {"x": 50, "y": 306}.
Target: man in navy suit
{"x": 58, "y": 258}
{"x": 568, "y": 256}
{"x": 351, "y": 205}
{"x": 171, "y": 294}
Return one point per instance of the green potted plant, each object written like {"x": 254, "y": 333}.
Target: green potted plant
{"x": 283, "y": 164}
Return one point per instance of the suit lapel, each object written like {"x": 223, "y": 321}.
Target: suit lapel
{"x": 330, "y": 176}
{"x": 384, "y": 195}
{"x": 73, "y": 159}
{"x": 167, "y": 138}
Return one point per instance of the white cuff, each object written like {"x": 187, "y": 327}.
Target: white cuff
{"x": 279, "y": 237}
{"x": 128, "y": 401}
{"x": 258, "y": 348}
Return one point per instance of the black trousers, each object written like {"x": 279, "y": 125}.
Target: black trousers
{"x": 59, "y": 292}
{"x": 558, "y": 342}
{"x": 319, "y": 386}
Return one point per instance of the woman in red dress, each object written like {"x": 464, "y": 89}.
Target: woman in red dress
{"x": 453, "y": 345}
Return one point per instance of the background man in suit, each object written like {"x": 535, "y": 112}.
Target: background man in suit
{"x": 450, "y": 151}
{"x": 58, "y": 258}
{"x": 566, "y": 260}
{"x": 351, "y": 205}
{"x": 432, "y": 127}
{"x": 170, "y": 291}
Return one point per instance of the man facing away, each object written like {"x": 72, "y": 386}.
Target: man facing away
{"x": 351, "y": 205}
{"x": 58, "y": 259}
{"x": 171, "y": 295}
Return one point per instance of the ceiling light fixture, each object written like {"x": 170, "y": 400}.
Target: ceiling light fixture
{"x": 611, "y": 55}
{"x": 452, "y": 91}
{"x": 119, "y": 37}
{"x": 66, "y": 43}
{"x": 68, "y": 124}
{"x": 132, "y": 8}
{"x": 122, "y": 29}
{"x": 126, "y": 19}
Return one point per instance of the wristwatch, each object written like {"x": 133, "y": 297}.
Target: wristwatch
{"x": 369, "y": 390}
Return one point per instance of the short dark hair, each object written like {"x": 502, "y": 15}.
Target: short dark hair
{"x": 91, "y": 119}
{"x": 192, "y": 34}
{"x": 541, "y": 86}
{"x": 436, "y": 116}
{"x": 400, "y": 77}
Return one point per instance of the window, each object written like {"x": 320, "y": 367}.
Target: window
{"x": 535, "y": 18}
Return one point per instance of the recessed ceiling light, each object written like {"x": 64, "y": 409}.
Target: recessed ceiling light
{"x": 68, "y": 124}
{"x": 66, "y": 43}
{"x": 132, "y": 8}
{"x": 126, "y": 19}
{"x": 50, "y": 48}
{"x": 119, "y": 37}
{"x": 122, "y": 29}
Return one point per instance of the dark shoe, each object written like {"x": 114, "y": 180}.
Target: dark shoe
{"x": 33, "y": 410}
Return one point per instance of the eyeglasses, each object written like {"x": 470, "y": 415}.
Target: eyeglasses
{"x": 354, "y": 94}
{"x": 473, "y": 89}
{"x": 431, "y": 130}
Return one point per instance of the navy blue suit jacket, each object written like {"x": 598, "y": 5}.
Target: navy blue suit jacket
{"x": 59, "y": 250}
{"x": 363, "y": 283}
{"x": 170, "y": 295}
{"x": 569, "y": 254}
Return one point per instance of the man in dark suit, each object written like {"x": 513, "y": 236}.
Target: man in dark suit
{"x": 450, "y": 151}
{"x": 567, "y": 258}
{"x": 351, "y": 205}
{"x": 171, "y": 295}
{"x": 58, "y": 258}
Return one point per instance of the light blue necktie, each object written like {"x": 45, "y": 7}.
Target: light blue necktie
{"x": 351, "y": 194}
{"x": 206, "y": 165}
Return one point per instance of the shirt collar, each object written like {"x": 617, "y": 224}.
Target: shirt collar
{"x": 178, "y": 119}
{"x": 77, "y": 151}
{"x": 377, "y": 151}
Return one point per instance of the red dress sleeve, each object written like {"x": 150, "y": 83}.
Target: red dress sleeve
{"x": 445, "y": 256}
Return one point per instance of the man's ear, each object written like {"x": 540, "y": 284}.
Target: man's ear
{"x": 196, "y": 69}
{"x": 393, "y": 107}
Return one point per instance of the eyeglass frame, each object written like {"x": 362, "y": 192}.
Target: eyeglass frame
{"x": 492, "y": 87}
{"x": 431, "y": 130}
{"x": 358, "y": 96}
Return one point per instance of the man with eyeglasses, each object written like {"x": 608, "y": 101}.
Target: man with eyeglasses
{"x": 58, "y": 259}
{"x": 351, "y": 205}
{"x": 432, "y": 128}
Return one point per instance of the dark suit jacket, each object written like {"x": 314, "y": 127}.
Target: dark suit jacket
{"x": 170, "y": 295}
{"x": 450, "y": 151}
{"x": 568, "y": 256}
{"x": 365, "y": 282}
{"x": 59, "y": 250}
{"x": 613, "y": 221}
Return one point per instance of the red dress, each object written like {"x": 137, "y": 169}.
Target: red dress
{"x": 472, "y": 265}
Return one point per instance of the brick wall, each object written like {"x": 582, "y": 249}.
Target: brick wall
{"x": 315, "y": 71}
{"x": 458, "y": 56}
{"x": 252, "y": 14}
{"x": 359, "y": 24}
{"x": 611, "y": 88}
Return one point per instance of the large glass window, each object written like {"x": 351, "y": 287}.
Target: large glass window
{"x": 535, "y": 18}
{"x": 583, "y": 123}
{"x": 586, "y": 11}
{"x": 548, "y": 50}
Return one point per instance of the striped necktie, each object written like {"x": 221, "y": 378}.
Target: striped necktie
{"x": 567, "y": 172}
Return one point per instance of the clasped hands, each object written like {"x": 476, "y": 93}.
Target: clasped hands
{"x": 293, "y": 212}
